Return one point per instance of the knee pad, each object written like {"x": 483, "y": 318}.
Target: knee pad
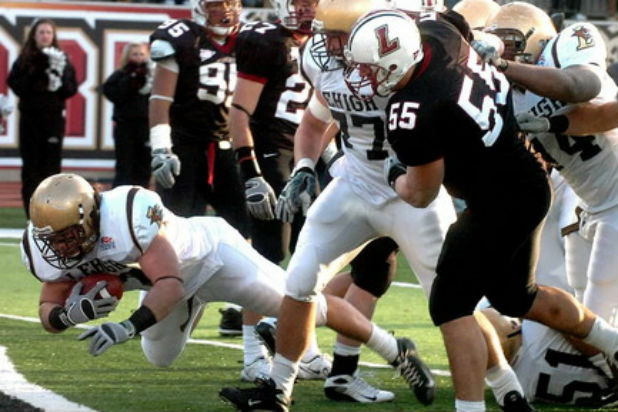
{"x": 374, "y": 267}
{"x": 303, "y": 274}
{"x": 321, "y": 315}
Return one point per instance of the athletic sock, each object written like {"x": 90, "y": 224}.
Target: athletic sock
{"x": 345, "y": 360}
{"x": 603, "y": 337}
{"x": 253, "y": 347}
{"x": 502, "y": 380}
{"x": 284, "y": 373}
{"x": 469, "y": 406}
{"x": 383, "y": 343}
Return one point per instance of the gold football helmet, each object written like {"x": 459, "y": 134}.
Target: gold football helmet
{"x": 64, "y": 210}
{"x": 523, "y": 28}
{"x": 476, "y": 12}
{"x": 333, "y": 22}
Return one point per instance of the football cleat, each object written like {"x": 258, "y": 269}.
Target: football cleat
{"x": 516, "y": 402}
{"x": 264, "y": 397}
{"x": 267, "y": 334}
{"x": 318, "y": 368}
{"x": 414, "y": 371}
{"x": 231, "y": 322}
{"x": 353, "y": 388}
{"x": 258, "y": 369}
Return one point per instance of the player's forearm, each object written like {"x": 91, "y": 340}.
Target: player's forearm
{"x": 590, "y": 119}
{"x": 570, "y": 85}
{"x": 45, "y": 309}
{"x": 239, "y": 129}
{"x": 163, "y": 296}
{"x": 309, "y": 138}
{"x": 158, "y": 112}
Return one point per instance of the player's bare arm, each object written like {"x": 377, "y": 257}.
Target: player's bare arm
{"x": 160, "y": 264}
{"x": 246, "y": 98}
{"x": 311, "y": 136}
{"x": 162, "y": 95}
{"x": 52, "y": 296}
{"x": 421, "y": 184}
{"x": 573, "y": 84}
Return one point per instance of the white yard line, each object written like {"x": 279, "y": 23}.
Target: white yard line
{"x": 14, "y": 384}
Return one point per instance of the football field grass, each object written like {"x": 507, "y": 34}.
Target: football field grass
{"x": 121, "y": 380}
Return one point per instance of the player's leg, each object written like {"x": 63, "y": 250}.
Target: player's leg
{"x": 602, "y": 289}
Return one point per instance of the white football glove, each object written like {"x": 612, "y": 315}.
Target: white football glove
{"x": 108, "y": 334}
{"x": 298, "y": 194}
{"x": 57, "y": 59}
{"x": 530, "y": 123}
{"x": 489, "y": 54}
{"x": 84, "y": 308}
{"x": 260, "y": 197}
{"x": 165, "y": 165}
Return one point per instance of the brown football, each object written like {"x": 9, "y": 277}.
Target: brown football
{"x": 114, "y": 285}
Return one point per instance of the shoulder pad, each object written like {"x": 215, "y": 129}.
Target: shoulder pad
{"x": 161, "y": 49}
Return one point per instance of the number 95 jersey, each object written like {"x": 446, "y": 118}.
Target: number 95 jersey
{"x": 206, "y": 80}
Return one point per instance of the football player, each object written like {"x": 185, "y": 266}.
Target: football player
{"x": 556, "y": 71}
{"x": 355, "y": 207}
{"x": 184, "y": 263}
{"x": 451, "y": 122}
{"x": 193, "y": 84}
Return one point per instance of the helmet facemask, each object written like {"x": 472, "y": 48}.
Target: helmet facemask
{"x": 328, "y": 48}
{"x": 514, "y": 44}
{"x": 366, "y": 80}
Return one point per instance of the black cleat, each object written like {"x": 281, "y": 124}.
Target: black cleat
{"x": 264, "y": 397}
{"x": 516, "y": 402}
{"x": 267, "y": 334}
{"x": 231, "y": 322}
{"x": 415, "y": 372}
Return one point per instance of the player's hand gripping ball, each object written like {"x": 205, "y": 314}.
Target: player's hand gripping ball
{"x": 114, "y": 286}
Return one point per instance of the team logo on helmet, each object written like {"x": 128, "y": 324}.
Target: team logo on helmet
{"x": 584, "y": 38}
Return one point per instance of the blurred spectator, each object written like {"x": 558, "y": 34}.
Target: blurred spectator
{"x": 43, "y": 78}
{"x": 5, "y": 110}
{"x": 129, "y": 89}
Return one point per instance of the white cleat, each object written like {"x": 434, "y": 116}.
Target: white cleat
{"x": 353, "y": 388}
{"x": 318, "y": 368}
{"x": 258, "y": 369}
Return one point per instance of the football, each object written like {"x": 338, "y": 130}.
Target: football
{"x": 114, "y": 285}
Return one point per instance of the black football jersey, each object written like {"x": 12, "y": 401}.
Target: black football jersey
{"x": 449, "y": 16}
{"x": 206, "y": 81}
{"x": 459, "y": 109}
{"x": 270, "y": 54}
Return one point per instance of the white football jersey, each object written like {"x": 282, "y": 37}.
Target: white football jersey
{"x": 589, "y": 163}
{"x": 130, "y": 218}
{"x": 363, "y": 132}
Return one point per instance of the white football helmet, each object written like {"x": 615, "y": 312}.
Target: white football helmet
{"x": 418, "y": 5}
{"x": 296, "y": 15}
{"x": 381, "y": 49}
{"x": 64, "y": 210}
{"x": 220, "y": 21}
{"x": 523, "y": 28}
{"x": 333, "y": 22}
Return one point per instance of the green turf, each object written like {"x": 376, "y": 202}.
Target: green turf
{"x": 12, "y": 217}
{"x": 121, "y": 380}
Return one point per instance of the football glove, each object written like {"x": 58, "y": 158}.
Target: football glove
{"x": 260, "y": 198}
{"x": 393, "y": 168}
{"x": 528, "y": 122}
{"x": 165, "y": 165}
{"x": 108, "y": 334}
{"x": 57, "y": 59}
{"x": 82, "y": 308}
{"x": 489, "y": 54}
{"x": 298, "y": 194}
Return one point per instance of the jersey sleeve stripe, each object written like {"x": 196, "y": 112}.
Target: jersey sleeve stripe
{"x": 130, "y": 199}
{"x": 26, "y": 245}
{"x": 252, "y": 77}
{"x": 554, "y": 51}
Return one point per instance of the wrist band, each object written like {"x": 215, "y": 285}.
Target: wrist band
{"x": 304, "y": 163}
{"x": 58, "y": 318}
{"x": 502, "y": 65}
{"x": 160, "y": 137}
{"x": 393, "y": 174}
{"x": 247, "y": 161}
{"x": 558, "y": 124}
{"x": 142, "y": 319}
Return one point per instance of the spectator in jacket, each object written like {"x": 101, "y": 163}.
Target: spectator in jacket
{"x": 129, "y": 89}
{"x": 43, "y": 78}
